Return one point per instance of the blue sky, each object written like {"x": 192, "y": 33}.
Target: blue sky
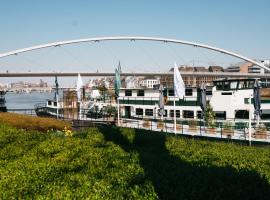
{"x": 241, "y": 26}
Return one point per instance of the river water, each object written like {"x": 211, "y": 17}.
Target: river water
{"x": 26, "y": 100}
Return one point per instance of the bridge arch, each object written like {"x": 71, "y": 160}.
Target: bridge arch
{"x": 133, "y": 38}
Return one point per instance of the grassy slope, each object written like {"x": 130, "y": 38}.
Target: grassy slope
{"x": 32, "y": 123}
{"x": 112, "y": 163}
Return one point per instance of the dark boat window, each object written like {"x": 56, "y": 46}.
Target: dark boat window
{"x": 171, "y": 113}
{"x": 149, "y": 112}
{"x": 139, "y": 111}
{"x": 265, "y": 114}
{"x": 140, "y": 93}
{"x": 220, "y": 114}
{"x": 128, "y": 93}
{"x": 199, "y": 114}
{"x": 241, "y": 114}
{"x": 188, "y": 92}
{"x": 49, "y": 103}
{"x": 209, "y": 92}
{"x": 226, "y": 85}
{"x": 188, "y": 114}
{"x": 171, "y": 93}
{"x": 219, "y": 85}
{"x": 165, "y": 115}
{"x": 177, "y": 113}
{"x": 54, "y": 103}
{"x": 250, "y": 84}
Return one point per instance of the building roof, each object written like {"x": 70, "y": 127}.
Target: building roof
{"x": 216, "y": 69}
{"x": 201, "y": 69}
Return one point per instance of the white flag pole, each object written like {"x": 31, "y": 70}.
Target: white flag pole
{"x": 249, "y": 122}
{"x": 118, "y": 112}
{"x": 179, "y": 89}
{"x": 174, "y": 115}
{"x": 57, "y": 111}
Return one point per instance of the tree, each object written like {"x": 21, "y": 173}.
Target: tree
{"x": 209, "y": 116}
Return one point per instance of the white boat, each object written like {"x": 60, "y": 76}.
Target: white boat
{"x": 228, "y": 97}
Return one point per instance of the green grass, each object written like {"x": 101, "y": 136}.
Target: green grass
{"x": 111, "y": 163}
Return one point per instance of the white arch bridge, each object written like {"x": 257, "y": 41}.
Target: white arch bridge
{"x": 133, "y": 38}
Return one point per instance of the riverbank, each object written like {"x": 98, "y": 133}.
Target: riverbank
{"x": 108, "y": 162}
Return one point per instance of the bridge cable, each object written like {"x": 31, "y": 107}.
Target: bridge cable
{"x": 71, "y": 55}
{"x": 172, "y": 49}
{"x": 149, "y": 56}
{"x": 111, "y": 53}
{"x": 32, "y": 62}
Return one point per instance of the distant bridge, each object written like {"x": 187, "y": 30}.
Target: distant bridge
{"x": 134, "y": 38}
{"x": 110, "y": 74}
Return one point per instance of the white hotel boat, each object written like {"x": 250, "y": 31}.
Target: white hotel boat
{"x": 229, "y": 99}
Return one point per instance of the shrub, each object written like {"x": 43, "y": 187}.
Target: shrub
{"x": 192, "y": 123}
{"x": 121, "y": 163}
{"x": 228, "y": 125}
{"x": 33, "y": 123}
{"x": 209, "y": 116}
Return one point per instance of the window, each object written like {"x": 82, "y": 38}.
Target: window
{"x": 54, "y": 103}
{"x": 208, "y": 92}
{"x": 171, "y": 93}
{"x": 49, "y": 103}
{"x": 265, "y": 114}
{"x": 139, "y": 111}
{"x": 188, "y": 114}
{"x": 165, "y": 113}
{"x": 226, "y": 85}
{"x": 188, "y": 92}
{"x": 199, "y": 114}
{"x": 220, "y": 114}
{"x": 128, "y": 93}
{"x": 219, "y": 85}
{"x": 177, "y": 113}
{"x": 149, "y": 112}
{"x": 233, "y": 85}
{"x": 140, "y": 93}
{"x": 241, "y": 114}
{"x": 171, "y": 113}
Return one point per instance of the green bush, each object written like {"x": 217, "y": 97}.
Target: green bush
{"x": 111, "y": 163}
{"x": 33, "y": 123}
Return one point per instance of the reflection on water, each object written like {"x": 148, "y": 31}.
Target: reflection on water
{"x": 26, "y": 100}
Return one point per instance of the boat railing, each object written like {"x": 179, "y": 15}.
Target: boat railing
{"x": 39, "y": 105}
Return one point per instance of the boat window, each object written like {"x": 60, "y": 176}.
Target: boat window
{"x": 139, "y": 111}
{"x": 188, "y": 114}
{"x": 171, "y": 93}
{"x": 233, "y": 85}
{"x": 226, "y": 85}
{"x": 188, "y": 92}
{"x": 208, "y": 92}
{"x": 54, "y": 103}
{"x": 49, "y": 103}
{"x": 128, "y": 93}
{"x": 219, "y": 85}
{"x": 265, "y": 114}
{"x": 177, "y": 113}
{"x": 149, "y": 112}
{"x": 199, "y": 114}
{"x": 250, "y": 84}
{"x": 140, "y": 93}
{"x": 220, "y": 114}
{"x": 165, "y": 114}
{"x": 171, "y": 113}
{"x": 241, "y": 85}
{"x": 241, "y": 114}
